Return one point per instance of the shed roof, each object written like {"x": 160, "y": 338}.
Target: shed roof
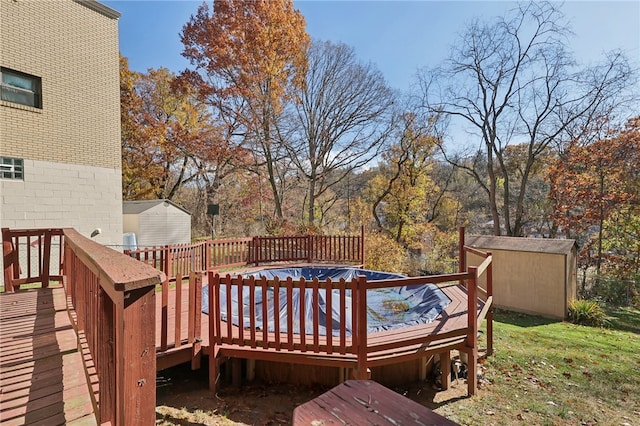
{"x": 536, "y": 245}
{"x": 137, "y": 207}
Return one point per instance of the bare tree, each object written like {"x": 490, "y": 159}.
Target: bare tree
{"x": 340, "y": 121}
{"x": 513, "y": 82}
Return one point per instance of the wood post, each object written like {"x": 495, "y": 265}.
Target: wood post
{"x": 490, "y": 313}
{"x": 8, "y": 258}
{"x": 362, "y": 372}
{"x": 472, "y": 331}
{"x": 195, "y": 318}
{"x": 445, "y": 369}
{"x": 46, "y": 261}
{"x": 362, "y": 252}
{"x": 213, "y": 280}
{"x": 462, "y": 259}
{"x": 136, "y": 363}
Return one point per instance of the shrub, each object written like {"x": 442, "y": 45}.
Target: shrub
{"x": 587, "y": 312}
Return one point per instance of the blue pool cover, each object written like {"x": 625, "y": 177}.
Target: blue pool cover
{"x": 388, "y": 308}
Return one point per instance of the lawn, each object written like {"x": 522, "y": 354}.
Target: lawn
{"x": 555, "y": 373}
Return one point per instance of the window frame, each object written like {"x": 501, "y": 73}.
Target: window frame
{"x": 11, "y": 168}
{"x": 36, "y": 92}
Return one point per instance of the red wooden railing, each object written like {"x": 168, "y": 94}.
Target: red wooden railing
{"x": 31, "y": 256}
{"x": 183, "y": 259}
{"x": 303, "y": 342}
{"x": 111, "y": 301}
{"x": 249, "y": 330}
{"x": 173, "y": 335}
{"x": 229, "y": 253}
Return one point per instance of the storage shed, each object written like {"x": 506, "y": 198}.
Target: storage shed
{"x": 156, "y": 222}
{"x": 530, "y": 275}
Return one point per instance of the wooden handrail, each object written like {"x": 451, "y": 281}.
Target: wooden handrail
{"x": 475, "y": 251}
{"x": 114, "y": 300}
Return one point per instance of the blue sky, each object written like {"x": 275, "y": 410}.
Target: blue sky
{"x": 397, "y": 36}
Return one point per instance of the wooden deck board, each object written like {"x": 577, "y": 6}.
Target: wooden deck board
{"x": 360, "y": 402}
{"x": 41, "y": 373}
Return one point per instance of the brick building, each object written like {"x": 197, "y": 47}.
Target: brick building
{"x": 60, "y": 161}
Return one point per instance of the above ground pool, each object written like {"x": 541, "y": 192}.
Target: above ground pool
{"x": 387, "y": 308}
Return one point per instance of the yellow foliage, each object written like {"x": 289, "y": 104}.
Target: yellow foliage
{"x": 384, "y": 254}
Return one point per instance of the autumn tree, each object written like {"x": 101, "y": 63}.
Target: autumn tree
{"x": 248, "y": 58}
{"x": 167, "y": 134}
{"x": 342, "y": 117}
{"x": 513, "y": 81}
{"x": 595, "y": 192}
{"x": 405, "y": 198}
{"x": 137, "y": 164}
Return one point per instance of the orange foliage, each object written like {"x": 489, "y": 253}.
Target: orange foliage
{"x": 254, "y": 49}
{"x": 589, "y": 181}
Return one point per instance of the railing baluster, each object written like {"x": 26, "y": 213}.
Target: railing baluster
{"x": 316, "y": 315}
{"x": 290, "y": 312}
{"x": 240, "y": 308}
{"x": 178, "y": 318}
{"x": 303, "y": 314}
{"x": 343, "y": 315}
{"x": 265, "y": 316}
{"x": 329, "y": 316}
{"x": 252, "y": 310}
{"x": 276, "y": 312}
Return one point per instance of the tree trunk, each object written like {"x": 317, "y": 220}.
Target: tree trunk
{"x": 493, "y": 205}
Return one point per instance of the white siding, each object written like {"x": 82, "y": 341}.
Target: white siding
{"x": 163, "y": 224}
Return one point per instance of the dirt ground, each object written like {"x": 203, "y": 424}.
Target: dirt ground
{"x": 184, "y": 399}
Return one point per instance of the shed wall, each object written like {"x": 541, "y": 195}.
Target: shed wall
{"x": 130, "y": 223}
{"x": 163, "y": 224}
{"x": 528, "y": 282}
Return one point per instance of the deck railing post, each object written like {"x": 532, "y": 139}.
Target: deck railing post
{"x": 472, "y": 331}
{"x": 8, "y": 258}
{"x": 362, "y": 371}
{"x": 462, "y": 259}
{"x": 362, "y": 259}
{"x": 139, "y": 391}
{"x": 207, "y": 255}
{"x": 195, "y": 318}
{"x": 46, "y": 259}
{"x": 490, "y": 312}
{"x": 256, "y": 250}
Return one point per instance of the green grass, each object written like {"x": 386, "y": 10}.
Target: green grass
{"x": 556, "y": 373}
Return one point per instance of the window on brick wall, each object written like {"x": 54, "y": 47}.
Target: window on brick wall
{"x": 20, "y": 88}
{"x": 11, "y": 168}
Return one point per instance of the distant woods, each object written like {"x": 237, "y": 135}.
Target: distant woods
{"x": 509, "y": 136}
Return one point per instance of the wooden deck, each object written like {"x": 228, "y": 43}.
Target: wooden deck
{"x": 42, "y": 379}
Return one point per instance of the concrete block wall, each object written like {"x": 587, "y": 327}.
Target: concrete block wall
{"x": 81, "y": 197}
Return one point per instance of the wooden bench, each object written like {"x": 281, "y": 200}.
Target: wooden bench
{"x": 361, "y": 402}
